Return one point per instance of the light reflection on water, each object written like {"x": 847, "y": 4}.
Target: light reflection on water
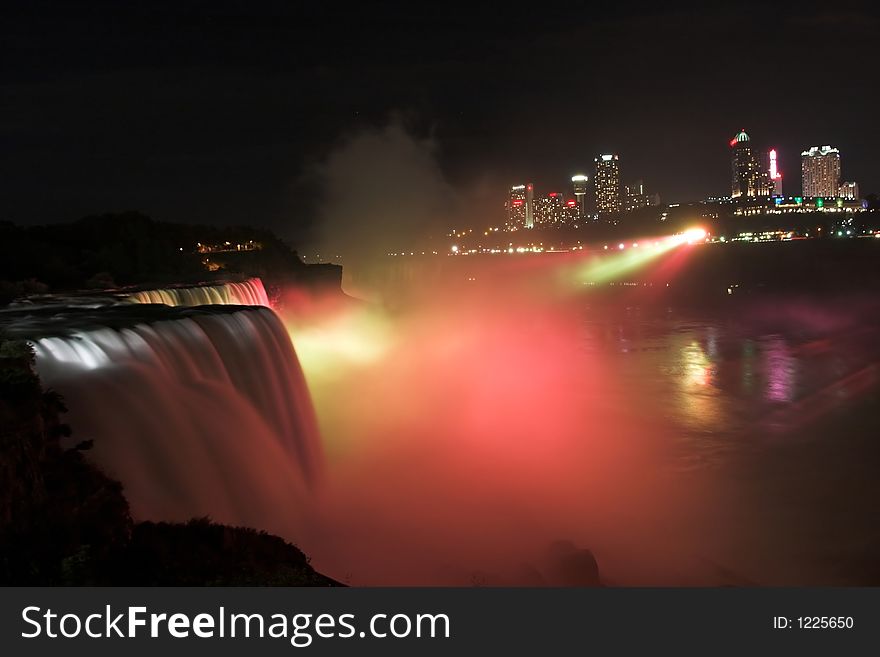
{"x": 712, "y": 382}
{"x": 778, "y": 423}
{"x": 781, "y": 369}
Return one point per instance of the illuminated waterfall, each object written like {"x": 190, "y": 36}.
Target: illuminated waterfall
{"x": 198, "y": 412}
{"x": 248, "y": 293}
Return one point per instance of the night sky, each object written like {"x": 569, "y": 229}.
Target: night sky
{"x": 220, "y": 111}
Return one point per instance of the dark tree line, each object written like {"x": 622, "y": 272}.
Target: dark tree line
{"x": 109, "y": 250}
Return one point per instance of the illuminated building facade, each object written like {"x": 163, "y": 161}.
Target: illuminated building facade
{"x": 530, "y": 206}
{"x": 572, "y": 212}
{"x": 520, "y": 207}
{"x": 550, "y": 210}
{"x": 750, "y": 179}
{"x": 634, "y": 197}
{"x": 775, "y": 174}
{"x": 800, "y": 204}
{"x": 820, "y": 172}
{"x": 849, "y": 190}
{"x": 579, "y": 183}
{"x": 607, "y": 183}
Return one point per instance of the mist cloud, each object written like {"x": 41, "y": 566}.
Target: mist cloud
{"x": 382, "y": 191}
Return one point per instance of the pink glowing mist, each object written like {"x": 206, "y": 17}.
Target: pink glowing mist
{"x": 472, "y": 428}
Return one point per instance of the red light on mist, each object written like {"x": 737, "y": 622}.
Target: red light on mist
{"x": 733, "y": 142}
{"x": 480, "y": 465}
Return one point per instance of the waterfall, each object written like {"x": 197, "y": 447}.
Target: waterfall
{"x": 247, "y": 293}
{"x": 197, "y": 411}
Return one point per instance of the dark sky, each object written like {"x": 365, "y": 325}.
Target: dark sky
{"x": 217, "y": 111}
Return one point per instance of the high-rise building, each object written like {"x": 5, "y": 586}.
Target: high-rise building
{"x": 750, "y": 178}
{"x": 530, "y": 206}
{"x": 572, "y": 213}
{"x": 520, "y": 207}
{"x": 550, "y": 210}
{"x": 820, "y": 172}
{"x": 634, "y": 197}
{"x": 516, "y": 208}
{"x": 634, "y": 188}
{"x": 607, "y": 183}
{"x": 775, "y": 174}
{"x": 579, "y": 182}
{"x": 849, "y": 191}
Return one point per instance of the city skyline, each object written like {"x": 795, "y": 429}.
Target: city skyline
{"x": 238, "y": 112}
{"x": 756, "y": 174}
{"x": 777, "y": 168}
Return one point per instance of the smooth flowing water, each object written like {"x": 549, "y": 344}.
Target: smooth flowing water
{"x": 198, "y": 412}
{"x": 246, "y": 293}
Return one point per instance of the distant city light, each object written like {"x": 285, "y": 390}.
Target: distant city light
{"x": 756, "y": 190}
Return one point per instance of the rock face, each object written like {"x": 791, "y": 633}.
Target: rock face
{"x": 579, "y": 569}
{"x": 63, "y": 522}
{"x": 202, "y": 553}
{"x": 572, "y": 566}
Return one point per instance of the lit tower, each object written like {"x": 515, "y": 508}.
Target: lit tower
{"x": 740, "y": 164}
{"x": 749, "y": 178}
{"x": 849, "y": 190}
{"x": 530, "y": 206}
{"x": 516, "y": 207}
{"x": 820, "y": 172}
{"x": 607, "y": 184}
{"x": 579, "y": 182}
{"x": 521, "y": 207}
{"x": 775, "y": 175}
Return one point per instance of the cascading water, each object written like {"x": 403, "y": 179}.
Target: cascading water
{"x": 247, "y": 293}
{"x": 198, "y": 412}
{"x": 244, "y": 293}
